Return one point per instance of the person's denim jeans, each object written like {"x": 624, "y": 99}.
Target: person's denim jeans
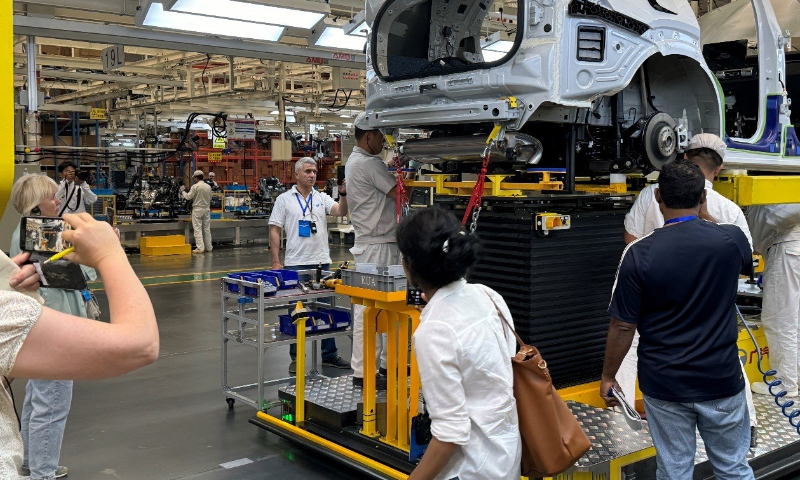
{"x": 44, "y": 416}
{"x": 329, "y": 350}
{"x": 724, "y": 427}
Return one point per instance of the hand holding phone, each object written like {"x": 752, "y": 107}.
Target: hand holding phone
{"x": 43, "y": 234}
{"x": 415, "y": 297}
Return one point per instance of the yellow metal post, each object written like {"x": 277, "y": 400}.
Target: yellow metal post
{"x": 402, "y": 382}
{"x": 300, "y": 384}
{"x": 391, "y": 378}
{"x": 7, "y": 100}
{"x": 369, "y": 414}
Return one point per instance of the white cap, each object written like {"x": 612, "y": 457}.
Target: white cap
{"x": 211, "y": 175}
{"x": 198, "y": 173}
{"x": 708, "y": 140}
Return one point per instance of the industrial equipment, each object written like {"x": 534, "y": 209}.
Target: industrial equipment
{"x": 577, "y": 91}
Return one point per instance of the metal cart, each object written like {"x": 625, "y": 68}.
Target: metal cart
{"x": 244, "y": 322}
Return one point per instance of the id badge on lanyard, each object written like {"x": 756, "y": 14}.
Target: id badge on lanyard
{"x": 306, "y": 227}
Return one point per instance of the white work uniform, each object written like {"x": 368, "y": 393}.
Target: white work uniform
{"x": 776, "y": 234}
{"x": 74, "y": 198}
{"x": 200, "y": 195}
{"x": 464, "y": 352}
{"x": 374, "y": 218}
{"x": 289, "y": 209}
{"x": 644, "y": 217}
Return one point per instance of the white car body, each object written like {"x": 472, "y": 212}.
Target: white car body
{"x": 650, "y": 53}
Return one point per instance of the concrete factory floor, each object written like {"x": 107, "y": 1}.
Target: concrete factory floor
{"x": 170, "y": 420}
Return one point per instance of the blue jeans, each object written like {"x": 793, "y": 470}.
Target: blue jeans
{"x": 724, "y": 426}
{"x": 329, "y": 350}
{"x": 44, "y": 416}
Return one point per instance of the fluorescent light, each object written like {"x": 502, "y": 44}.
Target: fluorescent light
{"x": 357, "y": 25}
{"x": 362, "y": 30}
{"x": 494, "y": 49}
{"x": 158, "y": 17}
{"x": 334, "y": 37}
{"x": 250, "y": 12}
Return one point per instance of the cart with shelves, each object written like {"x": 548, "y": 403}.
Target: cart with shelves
{"x": 245, "y": 322}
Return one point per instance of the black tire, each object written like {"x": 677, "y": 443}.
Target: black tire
{"x": 230, "y": 401}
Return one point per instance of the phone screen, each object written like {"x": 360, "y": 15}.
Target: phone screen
{"x": 43, "y": 234}
{"x": 414, "y": 296}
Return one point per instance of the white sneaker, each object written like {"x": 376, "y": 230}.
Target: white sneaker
{"x": 197, "y": 250}
{"x": 761, "y": 388}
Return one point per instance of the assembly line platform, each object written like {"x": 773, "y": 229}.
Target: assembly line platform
{"x": 334, "y": 402}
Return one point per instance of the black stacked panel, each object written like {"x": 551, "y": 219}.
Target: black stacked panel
{"x": 557, "y": 286}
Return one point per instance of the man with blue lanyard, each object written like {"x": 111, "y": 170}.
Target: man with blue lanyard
{"x": 302, "y": 213}
{"x": 677, "y": 287}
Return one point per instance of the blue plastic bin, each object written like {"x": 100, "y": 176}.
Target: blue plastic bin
{"x": 288, "y": 278}
{"x": 318, "y": 321}
{"x": 341, "y": 320}
{"x": 255, "y": 278}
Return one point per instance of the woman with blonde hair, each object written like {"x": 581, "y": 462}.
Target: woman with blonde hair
{"x": 47, "y": 402}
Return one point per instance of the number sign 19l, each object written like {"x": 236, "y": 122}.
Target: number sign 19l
{"x": 113, "y": 57}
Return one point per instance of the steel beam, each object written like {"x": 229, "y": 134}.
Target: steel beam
{"x": 104, "y": 77}
{"x": 142, "y": 37}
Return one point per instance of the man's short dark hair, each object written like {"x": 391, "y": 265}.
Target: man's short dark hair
{"x": 360, "y": 133}
{"x": 705, "y": 156}
{"x": 65, "y": 165}
{"x": 681, "y": 184}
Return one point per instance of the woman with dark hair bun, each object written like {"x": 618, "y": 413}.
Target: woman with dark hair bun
{"x": 464, "y": 351}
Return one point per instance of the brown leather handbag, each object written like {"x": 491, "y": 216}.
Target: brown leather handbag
{"x": 552, "y": 438}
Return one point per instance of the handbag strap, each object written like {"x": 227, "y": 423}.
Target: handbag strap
{"x": 505, "y": 320}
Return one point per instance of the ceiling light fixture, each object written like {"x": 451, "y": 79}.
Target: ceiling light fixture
{"x": 300, "y": 14}
{"x": 334, "y": 37}
{"x": 357, "y": 25}
{"x": 157, "y": 17}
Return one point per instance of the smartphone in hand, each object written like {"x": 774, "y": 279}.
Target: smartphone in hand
{"x": 43, "y": 234}
{"x": 414, "y": 296}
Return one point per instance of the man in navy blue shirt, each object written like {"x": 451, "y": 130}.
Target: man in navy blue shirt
{"x": 677, "y": 287}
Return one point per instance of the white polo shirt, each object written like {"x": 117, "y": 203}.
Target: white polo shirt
{"x": 645, "y": 216}
{"x": 287, "y": 213}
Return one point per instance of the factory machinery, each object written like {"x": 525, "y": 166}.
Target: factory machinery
{"x": 540, "y": 134}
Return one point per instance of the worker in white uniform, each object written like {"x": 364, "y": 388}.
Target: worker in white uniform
{"x": 73, "y": 191}
{"x": 464, "y": 344}
{"x": 708, "y": 152}
{"x": 776, "y": 236}
{"x": 212, "y": 181}
{"x": 372, "y": 191}
{"x": 200, "y": 195}
{"x": 302, "y": 213}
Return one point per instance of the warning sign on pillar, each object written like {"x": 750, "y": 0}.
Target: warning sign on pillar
{"x": 214, "y": 157}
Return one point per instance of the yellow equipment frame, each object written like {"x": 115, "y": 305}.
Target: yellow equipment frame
{"x": 6, "y": 100}
{"x": 745, "y": 190}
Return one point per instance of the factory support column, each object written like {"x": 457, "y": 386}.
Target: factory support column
{"x": 6, "y": 99}
{"x": 32, "y": 119}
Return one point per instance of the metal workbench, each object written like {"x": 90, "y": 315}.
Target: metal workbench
{"x": 245, "y": 323}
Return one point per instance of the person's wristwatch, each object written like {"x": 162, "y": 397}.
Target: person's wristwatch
{"x": 342, "y": 194}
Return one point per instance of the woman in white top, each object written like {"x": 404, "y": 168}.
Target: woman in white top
{"x": 38, "y": 342}
{"x": 464, "y": 355}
